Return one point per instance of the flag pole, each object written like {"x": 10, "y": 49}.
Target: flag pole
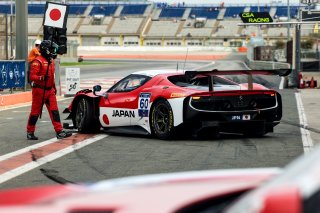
{"x": 46, "y": 76}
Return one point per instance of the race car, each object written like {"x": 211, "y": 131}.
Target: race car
{"x": 163, "y": 103}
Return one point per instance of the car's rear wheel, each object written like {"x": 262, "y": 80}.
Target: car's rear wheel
{"x": 162, "y": 120}
{"x": 84, "y": 118}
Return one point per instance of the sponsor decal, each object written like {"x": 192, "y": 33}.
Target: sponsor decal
{"x": 123, "y": 113}
{"x": 144, "y": 104}
{"x": 177, "y": 95}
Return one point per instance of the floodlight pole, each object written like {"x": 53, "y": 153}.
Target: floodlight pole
{"x": 295, "y": 74}
{"x": 6, "y": 32}
{"x": 22, "y": 32}
{"x": 318, "y": 54}
{"x": 11, "y": 29}
{"x": 259, "y": 27}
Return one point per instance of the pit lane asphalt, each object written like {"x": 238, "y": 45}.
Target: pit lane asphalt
{"x": 128, "y": 155}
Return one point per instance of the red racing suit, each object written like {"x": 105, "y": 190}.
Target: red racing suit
{"x": 38, "y": 70}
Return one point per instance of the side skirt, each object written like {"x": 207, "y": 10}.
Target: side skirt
{"x": 132, "y": 130}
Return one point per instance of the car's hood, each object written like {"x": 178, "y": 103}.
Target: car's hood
{"x": 152, "y": 193}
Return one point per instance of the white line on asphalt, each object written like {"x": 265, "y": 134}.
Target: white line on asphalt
{"x": 27, "y": 149}
{"x": 32, "y": 165}
{"x": 305, "y": 134}
{"x": 281, "y": 86}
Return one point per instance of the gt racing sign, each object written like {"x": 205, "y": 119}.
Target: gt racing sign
{"x": 256, "y": 17}
{"x": 72, "y": 81}
{"x": 55, "y": 15}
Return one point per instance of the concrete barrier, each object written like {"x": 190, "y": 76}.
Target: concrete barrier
{"x": 157, "y": 53}
{"x": 209, "y": 57}
{"x": 266, "y": 65}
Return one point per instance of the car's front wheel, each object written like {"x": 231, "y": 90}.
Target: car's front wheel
{"x": 84, "y": 118}
{"x": 162, "y": 120}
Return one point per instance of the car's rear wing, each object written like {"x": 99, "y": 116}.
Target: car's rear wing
{"x": 280, "y": 72}
{"x": 249, "y": 73}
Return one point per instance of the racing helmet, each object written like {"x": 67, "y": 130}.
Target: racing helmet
{"x": 48, "y": 50}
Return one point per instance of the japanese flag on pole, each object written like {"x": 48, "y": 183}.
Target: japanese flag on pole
{"x": 55, "y": 15}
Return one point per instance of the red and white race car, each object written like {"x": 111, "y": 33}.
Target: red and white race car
{"x": 162, "y": 102}
{"x": 295, "y": 189}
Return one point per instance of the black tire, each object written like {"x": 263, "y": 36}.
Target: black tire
{"x": 84, "y": 118}
{"x": 162, "y": 120}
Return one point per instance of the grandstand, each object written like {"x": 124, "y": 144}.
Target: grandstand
{"x": 155, "y": 24}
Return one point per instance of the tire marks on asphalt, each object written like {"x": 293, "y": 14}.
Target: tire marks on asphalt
{"x": 54, "y": 176}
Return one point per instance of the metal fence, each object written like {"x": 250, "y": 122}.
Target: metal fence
{"x": 12, "y": 74}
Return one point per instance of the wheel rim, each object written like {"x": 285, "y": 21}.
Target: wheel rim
{"x": 162, "y": 119}
{"x": 80, "y": 114}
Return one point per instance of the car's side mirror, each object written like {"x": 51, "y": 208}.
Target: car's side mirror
{"x": 97, "y": 88}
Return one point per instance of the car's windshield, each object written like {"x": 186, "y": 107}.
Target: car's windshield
{"x": 129, "y": 83}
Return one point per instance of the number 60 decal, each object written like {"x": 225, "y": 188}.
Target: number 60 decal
{"x": 144, "y": 101}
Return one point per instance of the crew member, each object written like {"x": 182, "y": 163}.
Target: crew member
{"x": 35, "y": 51}
{"x": 43, "y": 83}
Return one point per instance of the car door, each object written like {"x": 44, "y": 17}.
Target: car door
{"x": 120, "y": 106}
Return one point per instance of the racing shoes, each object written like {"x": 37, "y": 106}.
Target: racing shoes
{"x": 63, "y": 134}
{"x": 31, "y": 136}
